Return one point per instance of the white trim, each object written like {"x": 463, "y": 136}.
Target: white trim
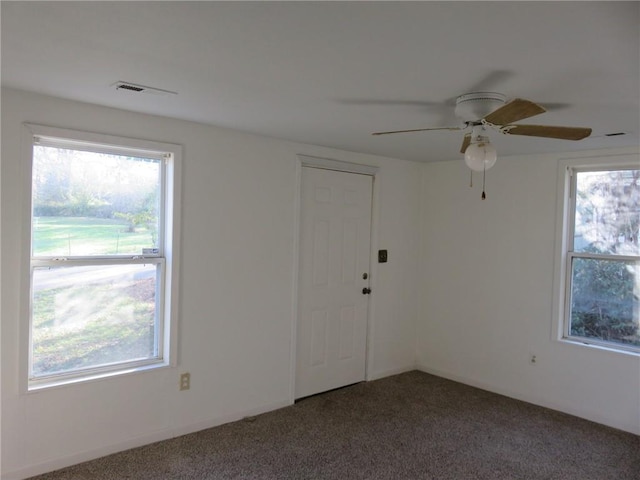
{"x": 330, "y": 164}
{"x": 24, "y": 306}
{"x": 164, "y": 434}
{"x": 85, "y": 376}
{"x": 373, "y": 276}
{"x": 391, "y": 372}
{"x": 101, "y": 141}
{"x": 535, "y": 400}
{"x": 172, "y": 250}
{"x": 297, "y": 202}
{"x": 347, "y": 167}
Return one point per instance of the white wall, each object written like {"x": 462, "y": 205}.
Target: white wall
{"x": 236, "y": 311}
{"x": 487, "y": 292}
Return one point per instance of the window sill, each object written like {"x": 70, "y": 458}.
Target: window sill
{"x": 600, "y": 347}
{"x": 45, "y": 385}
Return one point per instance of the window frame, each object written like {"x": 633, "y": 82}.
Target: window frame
{"x": 170, "y": 156}
{"x": 565, "y": 225}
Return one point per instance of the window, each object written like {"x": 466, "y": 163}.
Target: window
{"x": 103, "y": 231}
{"x": 602, "y": 256}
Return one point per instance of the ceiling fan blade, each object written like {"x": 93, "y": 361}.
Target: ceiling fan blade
{"x": 393, "y": 103}
{"x": 548, "y": 106}
{"x": 516, "y": 109}
{"x": 416, "y": 130}
{"x": 465, "y": 143}
{"x": 489, "y": 82}
{"x": 549, "y": 131}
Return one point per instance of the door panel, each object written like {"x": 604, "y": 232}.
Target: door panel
{"x": 335, "y": 233}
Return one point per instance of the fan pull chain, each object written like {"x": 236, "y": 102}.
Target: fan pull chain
{"x": 484, "y": 173}
{"x": 470, "y": 178}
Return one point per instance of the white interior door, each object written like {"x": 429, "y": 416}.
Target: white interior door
{"x": 335, "y": 236}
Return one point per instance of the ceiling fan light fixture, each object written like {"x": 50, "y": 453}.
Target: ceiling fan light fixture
{"x": 480, "y": 155}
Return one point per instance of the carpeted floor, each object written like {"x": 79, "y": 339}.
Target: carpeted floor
{"x": 409, "y": 426}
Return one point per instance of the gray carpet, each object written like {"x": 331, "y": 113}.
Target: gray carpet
{"x": 409, "y": 426}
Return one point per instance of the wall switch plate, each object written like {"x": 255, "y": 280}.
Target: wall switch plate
{"x": 185, "y": 381}
{"x": 382, "y": 256}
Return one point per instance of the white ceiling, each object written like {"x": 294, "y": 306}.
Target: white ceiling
{"x": 330, "y": 73}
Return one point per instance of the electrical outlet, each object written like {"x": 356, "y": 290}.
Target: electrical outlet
{"x": 185, "y": 381}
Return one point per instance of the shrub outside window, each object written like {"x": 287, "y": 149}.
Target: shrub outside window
{"x": 602, "y": 258}
{"x": 102, "y": 236}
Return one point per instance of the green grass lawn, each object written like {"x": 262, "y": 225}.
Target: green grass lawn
{"x": 100, "y": 321}
{"x": 92, "y": 325}
{"x": 66, "y": 236}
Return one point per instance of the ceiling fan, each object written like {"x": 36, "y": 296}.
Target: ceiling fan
{"x": 482, "y": 111}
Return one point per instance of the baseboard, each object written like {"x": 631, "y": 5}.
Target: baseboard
{"x": 390, "y": 372}
{"x": 541, "y": 402}
{"x": 165, "y": 434}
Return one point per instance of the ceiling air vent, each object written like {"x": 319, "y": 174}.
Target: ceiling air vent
{"x": 130, "y": 87}
{"x": 135, "y": 88}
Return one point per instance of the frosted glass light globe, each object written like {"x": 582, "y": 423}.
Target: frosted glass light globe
{"x": 480, "y": 156}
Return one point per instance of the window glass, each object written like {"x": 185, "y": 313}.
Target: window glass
{"x": 92, "y": 316}
{"x": 94, "y": 204}
{"x": 604, "y": 300}
{"x": 606, "y": 214}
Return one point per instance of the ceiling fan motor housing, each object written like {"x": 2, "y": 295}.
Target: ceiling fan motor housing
{"x": 471, "y": 107}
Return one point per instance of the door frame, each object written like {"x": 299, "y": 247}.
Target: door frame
{"x": 308, "y": 161}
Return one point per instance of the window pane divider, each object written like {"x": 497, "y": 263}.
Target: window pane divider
{"x": 605, "y": 256}
{"x": 88, "y": 261}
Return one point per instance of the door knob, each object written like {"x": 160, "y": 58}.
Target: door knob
{"x": 366, "y": 291}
